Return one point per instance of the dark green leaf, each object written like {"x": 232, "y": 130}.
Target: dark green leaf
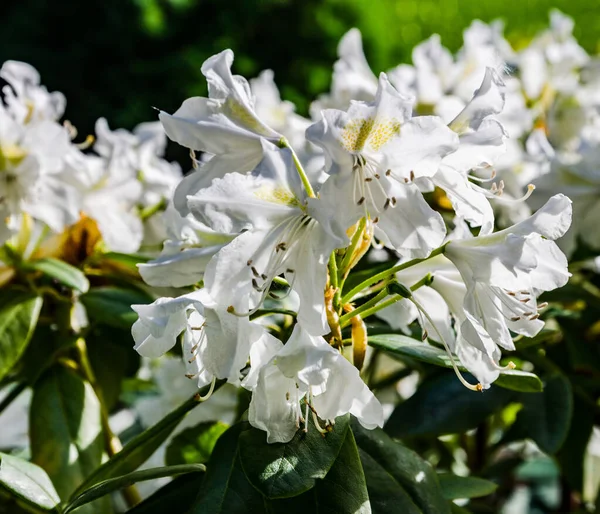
{"x": 281, "y": 470}
{"x": 141, "y": 447}
{"x": 455, "y": 487}
{"x": 546, "y": 417}
{"x": 64, "y": 273}
{"x": 28, "y": 482}
{"x": 65, "y": 429}
{"x": 194, "y": 444}
{"x": 410, "y": 471}
{"x": 18, "y": 319}
{"x": 344, "y": 488}
{"x": 400, "y": 346}
{"x": 112, "y": 305}
{"x": 112, "y": 359}
{"x": 176, "y": 497}
{"x": 386, "y": 494}
{"x": 114, "y": 484}
{"x": 442, "y": 405}
{"x": 225, "y": 489}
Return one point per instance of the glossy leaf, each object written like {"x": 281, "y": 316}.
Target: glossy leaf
{"x": 65, "y": 429}
{"x": 28, "y": 482}
{"x": 411, "y": 472}
{"x": 194, "y": 444}
{"x": 225, "y": 489}
{"x": 114, "y": 484}
{"x": 18, "y": 319}
{"x": 282, "y": 470}
{"x": 546, "y": 417}
{"x": 342, "y": 491}
{"x": 112, "y": 305}
{"x": 176, "y": 497}
{"x": 400, "y": 346}
{"x": 386, "y": 493}
{"x": 455, "y": 487}
{"x": 442, "y": 405}
{"x": 61, "y": 271}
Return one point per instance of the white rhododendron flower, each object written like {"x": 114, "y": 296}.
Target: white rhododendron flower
{"x": 308, "y": 368}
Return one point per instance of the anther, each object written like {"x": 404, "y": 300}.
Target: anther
{"x": 387, "y": 203}
{"x": 542, "y": 305}
{"x": 393, "y": 199}
{"x": 249, "y": 262}
{"x": 412, "y": 176}
{"x": 376, "y": 220}
{"x": 535, "y": 316}
{"x": 361, "y": 201}
{"x": 377, "y": 176}
{"x": 255, "y": 271}
{"x": 515, "y": 318}
{"x": 388, "y": 173}
{"x": 281, "y": 246}
{"x": 264, "y": 277}
{"x": 368, "y": 179}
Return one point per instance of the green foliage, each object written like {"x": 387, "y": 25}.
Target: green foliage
{"x": 28, "y": 482}
{"x": 61, "y": 272}
{"x": 194, "y": 444}
{"x": 400, "y": 347}
{"x": 112, "y": 305}
{"x": 455, "y": 487}
{"x": 18, "y": 318}
{"x": 281, "y": 470}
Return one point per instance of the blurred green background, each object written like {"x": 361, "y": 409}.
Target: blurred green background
{"x": 117, "y": 58}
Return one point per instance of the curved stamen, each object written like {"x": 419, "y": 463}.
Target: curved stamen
{"x": 472, "y": 387}
{"x": 210, "y": 391}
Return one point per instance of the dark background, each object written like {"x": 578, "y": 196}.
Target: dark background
{"x": 118, "y": 58}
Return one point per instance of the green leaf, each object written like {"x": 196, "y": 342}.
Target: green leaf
{"x": 282, "y": 470}
{"x": 344, "y": 488}
{"x": 225, "y": 489}
{"x": 141, "y": 447}
{"x": 64, "y": 273}
{"x": 386, "y": 494}
{"x": 400, "y": 347}
{"x": 194, "y": 444}
{"x": 65, "y": 429}
{"x": 18, "y": 319}
{"x": 28, "y": 482}
{"x": 176, "y": 497}
{"x": 455, "y": 487}
{"x": 114, "y": 484}
{"x": 442, "y": 405}
{"x": 112, "y": 359}
{"x": 112, "y": 305}
{"x": 405, "y": 467}
{"x": 546, "y": 417}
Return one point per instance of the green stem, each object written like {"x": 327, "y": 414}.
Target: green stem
{"x": 345, "y": 319}
{"x": 266, "y": 312}
{"x": 284, "y": 143}
{"x": 112, "y": 442}
{"x": 151, "y": 210}
{"x": 390, "y": 301}
{"x": 350, "y": 250}
{"x": 389, "y": 272}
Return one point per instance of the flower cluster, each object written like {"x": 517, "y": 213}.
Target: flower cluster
{"x": 280, "y": 209}
{"x": 49, "y": 184}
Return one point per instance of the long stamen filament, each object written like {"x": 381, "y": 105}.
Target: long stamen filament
{"x": 472, "y": 387}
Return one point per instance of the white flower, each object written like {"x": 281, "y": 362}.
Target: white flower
{"x": 505, "y": 271}
{"x": 373, "y": 151}
{"x": 215, "y": 343}
{"x": 225, "y": 125}
{"x": 281, "y": 231}
{"x": 305, "y": 367}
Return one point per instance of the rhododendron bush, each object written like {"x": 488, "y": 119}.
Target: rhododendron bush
{"x": 390, "y": 306}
